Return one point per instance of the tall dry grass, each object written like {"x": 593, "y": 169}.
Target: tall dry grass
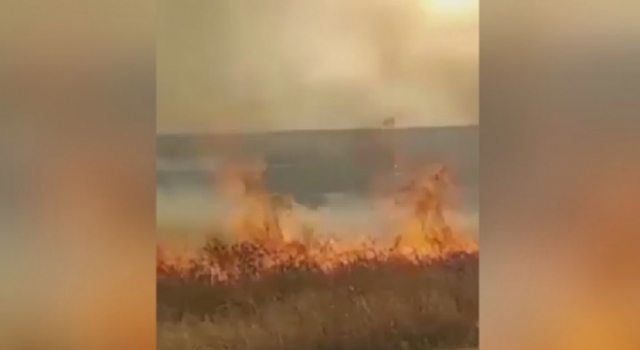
{"x": 271, "y": 289}
{"x": 375, "y": 302}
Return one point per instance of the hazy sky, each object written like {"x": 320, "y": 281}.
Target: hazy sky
{"x": 305, "y": 64}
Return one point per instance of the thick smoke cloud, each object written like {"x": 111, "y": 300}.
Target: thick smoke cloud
{"x": 284, "y": 64}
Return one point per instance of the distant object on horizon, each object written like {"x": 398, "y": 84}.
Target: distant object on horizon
{"x": 389, "y": 123}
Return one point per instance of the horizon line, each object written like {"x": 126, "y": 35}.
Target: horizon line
{"x": 273, "y": 131}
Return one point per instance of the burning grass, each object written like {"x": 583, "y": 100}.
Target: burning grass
{"x": 389, "y": 302}
{"x": 317, "y": 295}
{"x": 278, "y": 286}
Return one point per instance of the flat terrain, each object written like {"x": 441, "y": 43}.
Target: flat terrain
{"x": 365, "y": 305}
{"x": 368, "y": 307}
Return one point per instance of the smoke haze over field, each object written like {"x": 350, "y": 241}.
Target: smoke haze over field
{"x": 321, "y": 169}
{"x": 240, "y": 66}
{"x": 256, "y": 65}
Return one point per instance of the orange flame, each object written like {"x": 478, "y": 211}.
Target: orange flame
{"x": 268, "y": 236}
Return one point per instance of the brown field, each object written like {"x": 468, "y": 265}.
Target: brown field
{"x": 370, "y": 304}
{"x": 280, "y": 288}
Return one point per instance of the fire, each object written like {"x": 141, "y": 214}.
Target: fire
{"x": 269, "y": 237}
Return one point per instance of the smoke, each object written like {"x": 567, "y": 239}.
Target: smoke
{"x": 283, "y": 64}
{"x": 196, "y": 213}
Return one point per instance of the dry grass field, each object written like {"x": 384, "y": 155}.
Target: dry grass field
{"x": 370, "y": 304}
{"x": 269, "y": 290}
